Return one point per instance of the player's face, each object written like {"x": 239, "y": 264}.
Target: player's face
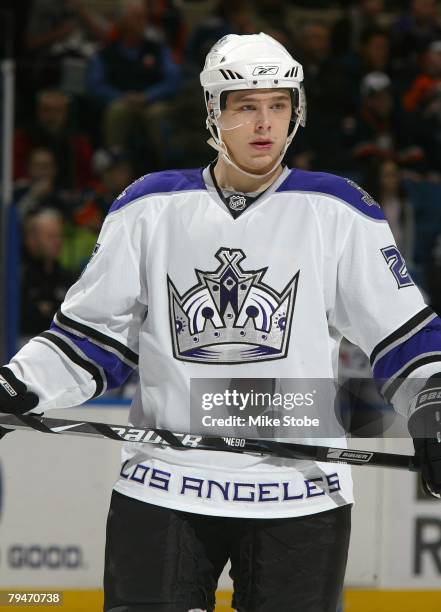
{"x": 254, "y": 127}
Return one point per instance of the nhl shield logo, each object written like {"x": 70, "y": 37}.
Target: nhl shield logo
{"x": 237, "y": 202}
{"x": 230, "y": 315}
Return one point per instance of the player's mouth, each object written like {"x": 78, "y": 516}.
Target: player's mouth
{"x": 262, "y": 144}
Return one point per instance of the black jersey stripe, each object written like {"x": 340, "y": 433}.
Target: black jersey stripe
{"x": 401, "y": 332}
{"x": 93, "y": 334}
{"x": 77, "y": 359}
{"x": 395, "y": 383}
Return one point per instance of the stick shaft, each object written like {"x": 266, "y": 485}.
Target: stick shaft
{"x": 184, "y": 441}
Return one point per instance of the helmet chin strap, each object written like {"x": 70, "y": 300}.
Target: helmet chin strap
{"x": 217, "y": 143}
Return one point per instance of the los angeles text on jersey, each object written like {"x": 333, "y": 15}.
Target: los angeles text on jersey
{"x": 193, "y": 487}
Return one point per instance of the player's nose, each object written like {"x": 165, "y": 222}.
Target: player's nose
{"x": 263, "y": 119}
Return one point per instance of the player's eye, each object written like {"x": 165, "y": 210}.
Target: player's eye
{"x": 280, "y": 106}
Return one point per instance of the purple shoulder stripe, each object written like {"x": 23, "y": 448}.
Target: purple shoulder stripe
{"x": 166, "y": 181}
{"x": 334, "y": 186}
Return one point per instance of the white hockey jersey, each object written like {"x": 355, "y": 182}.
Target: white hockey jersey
{"x": 181, "y": 289}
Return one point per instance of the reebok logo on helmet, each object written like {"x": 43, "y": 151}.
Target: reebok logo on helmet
{"x": 258, "y": 70}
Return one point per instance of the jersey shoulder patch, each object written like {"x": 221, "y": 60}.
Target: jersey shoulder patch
{"x": 166, "y": 181}
{"x": 346, "y": 190}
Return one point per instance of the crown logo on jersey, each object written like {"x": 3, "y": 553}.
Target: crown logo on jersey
{"x": 231, "y": 316}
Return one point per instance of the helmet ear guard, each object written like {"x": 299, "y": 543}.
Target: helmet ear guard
{"x": 302, "y": 105}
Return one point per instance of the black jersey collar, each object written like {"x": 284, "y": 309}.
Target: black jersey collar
{"x": 237, "y": 202}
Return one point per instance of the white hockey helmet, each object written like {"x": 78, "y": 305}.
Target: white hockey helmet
{"x": 254, "y": 61}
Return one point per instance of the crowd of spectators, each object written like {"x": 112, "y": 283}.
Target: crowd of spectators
{"x": 108, "y": 90}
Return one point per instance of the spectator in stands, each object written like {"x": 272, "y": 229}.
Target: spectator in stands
{"x": 373, "y": 55}
{"x": 433, "y": 275}
{"x": 52, "y": 129}
{"x": 39, "y": 189}
{"x": 375, "y": 51}
{"x": 186, "y": 143}
{"x": 413, "y": 32}
{"x": 275, "y": 16}
{"x": 384, "y": 182}
{"x": 229, "y": 17}
{"x": 131, "y": 77}
{"x": 422, "y": 102}
{"x": 44, "y": 282}
{"x": 166, "y": 18}
{"x": 58, "y": 32}
{"x": 380, "y": 131}
{"x": 347, "y": 31}
{"x": 113, "y": 171}
{"x": 427, "y": 84}
{"x": 165, "y": 24}
{"x": 374, "y": 135}
{"x": 327, "y": 101}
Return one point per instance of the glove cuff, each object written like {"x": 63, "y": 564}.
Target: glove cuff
{"x": 425, "y": 411}
{"x": 9, "y": 382}
{"x": 14, "y": 396}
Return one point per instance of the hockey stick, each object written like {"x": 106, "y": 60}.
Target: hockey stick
{"x": 186, "y": 441}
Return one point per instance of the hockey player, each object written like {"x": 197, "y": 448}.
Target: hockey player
{"x": 244, "y": 269}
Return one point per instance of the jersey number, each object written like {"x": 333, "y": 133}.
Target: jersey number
{"x": 397, "y": 266}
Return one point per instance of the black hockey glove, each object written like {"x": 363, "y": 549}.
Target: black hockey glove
{"x": 425, "y": 428}
{"x": 14, "y": 396}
